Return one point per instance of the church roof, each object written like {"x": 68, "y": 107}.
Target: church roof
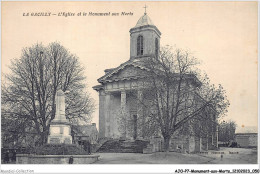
{"x": 144, "y": 20}
{"x": 113, "y": 71}
{"x": 246, "y": 129}
{"x": 137, "y": 64}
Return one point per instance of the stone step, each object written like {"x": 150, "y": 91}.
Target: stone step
{"x": 123, "y": 146}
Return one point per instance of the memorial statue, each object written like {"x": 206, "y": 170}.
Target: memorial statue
{"x": 60, "y": 130}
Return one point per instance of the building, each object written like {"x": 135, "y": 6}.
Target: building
{"x": 118, "y": 84}
{"x": 246, "y": 136}
{"x": 246, "y": 139}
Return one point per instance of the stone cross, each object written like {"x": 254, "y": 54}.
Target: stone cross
{"x": 145, "y": 9}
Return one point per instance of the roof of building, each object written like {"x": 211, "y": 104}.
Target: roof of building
{"x": 144, "y": 20}
{"x": 245, "y": 134}
{"x": 246, "y": 129}
{"x": 133, "y": 62}
{"x": 138, "y": 64}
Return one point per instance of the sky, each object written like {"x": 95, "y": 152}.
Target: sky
{"x": 223, "y": 35}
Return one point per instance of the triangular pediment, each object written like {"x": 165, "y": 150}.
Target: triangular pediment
{"x": 129, "y": 70}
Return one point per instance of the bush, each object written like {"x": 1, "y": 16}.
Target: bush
{"x": 59, "y": 149}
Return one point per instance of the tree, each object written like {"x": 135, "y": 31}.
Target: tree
{"x": 29, "y": 93}
{"x": 176, "y": 94}
{"x": 227, "y": 131}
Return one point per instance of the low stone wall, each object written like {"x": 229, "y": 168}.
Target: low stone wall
{"x": 155, "y": 145}
{"x": 55, "y": 159}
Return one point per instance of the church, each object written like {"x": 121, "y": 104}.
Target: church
{"x": 118, "y": 108}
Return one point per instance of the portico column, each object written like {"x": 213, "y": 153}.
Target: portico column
{"x": 102, "y": 118}
{"x": 140, "y": 115}
{"x": 207, "y": 145}
{"x": 112, "y": 118}
{"x": 217, "y": 135}
{"x": 123, "y": 109}
{"x": 107, "y": 115}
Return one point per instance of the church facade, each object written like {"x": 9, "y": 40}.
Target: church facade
{"x": 121, "y": 115}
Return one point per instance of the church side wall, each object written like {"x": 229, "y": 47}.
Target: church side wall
{"x": 253, "y": 141}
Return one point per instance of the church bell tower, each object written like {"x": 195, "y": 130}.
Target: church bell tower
{"x": 144, "y": 39}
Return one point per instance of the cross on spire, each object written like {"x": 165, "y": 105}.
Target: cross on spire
{"x": 145, "y": 9}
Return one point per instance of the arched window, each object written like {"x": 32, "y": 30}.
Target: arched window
{"x": 140, "y": 45}
{"x": 156, "y": 47}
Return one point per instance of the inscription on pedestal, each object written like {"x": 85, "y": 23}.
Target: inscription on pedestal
{"x": 61, "y": 130}
{"x": 54, "y": 140}
{"x": 67, "y": 141}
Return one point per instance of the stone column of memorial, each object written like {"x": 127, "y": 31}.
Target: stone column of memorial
{"x": 60, "y": 127}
